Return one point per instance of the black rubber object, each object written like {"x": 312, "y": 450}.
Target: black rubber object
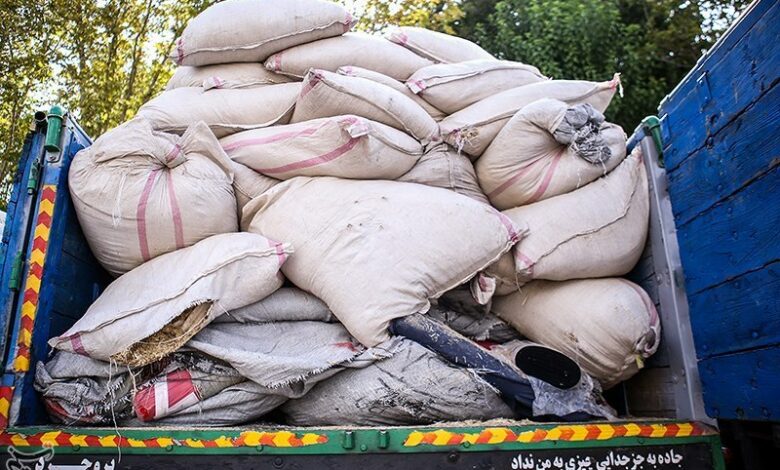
{"x": 549, "y": 366}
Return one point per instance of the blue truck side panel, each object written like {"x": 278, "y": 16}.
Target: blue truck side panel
{"x": 71, "y": 278}
{"x": 722, "y": 152}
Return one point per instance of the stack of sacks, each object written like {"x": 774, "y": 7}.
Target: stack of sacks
{"x": 350, "y": 160}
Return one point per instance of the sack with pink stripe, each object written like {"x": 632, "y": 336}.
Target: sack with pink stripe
{"x": 548, "y": 148}
{"x": 474, "y": 127}
{"x": 598, "y": 230}
{"x": 252, "y": 30}
{"x": 435, "y": 46}
{"x": 609, "y": 326}
{"x": 248, "y": 184}
{"x": 343, "y": 146}
{"x": 452, "y": 87}
{"x": 378, "y": 250}
{"x": 238, "y": 75}
{"x": 326, "y": 94}
{"x": 224, "y": 111}
{"x": 154, "y": 309}
{"x": 359, "y": 49}
{"x": 352, "y": 71}
{"x": 139, "y": 193}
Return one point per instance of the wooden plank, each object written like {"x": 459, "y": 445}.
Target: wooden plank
{"x": 741, "y": 314}
{"x": 735, "y": 236}
{"x": 739, "y": 71}
{"x": 742, "y": 151}
{"x": 743, "y": 386}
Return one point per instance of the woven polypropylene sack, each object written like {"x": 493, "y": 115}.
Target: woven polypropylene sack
{"x": 352, "y": 71}
{"x": 224, "y": 111}
{"x": 378, "y": 250}
{"x": 598, "y": 230}
{"x": 443, "y": 167}
{"x": 252, "y": 30}
{"x": 238, "y": 75}
{"x": 358, "y": 49}
{"x": 452, "y": 87}
{"x": 154, "y": 309}
{"x": 326, "y": 94}
{"x": 140, "y": 193}
{"x": 537, "y": 156}
{"x": 435, "y": 46}
{"x": 342, "y": 146}
{"x": 248, "y": 184}
{"x": 474, "y": 127}
{"x": 609, "y": 326}
{"x": 414, "y": 386}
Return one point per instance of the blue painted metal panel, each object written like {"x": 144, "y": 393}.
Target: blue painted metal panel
{"x": 743, "y": 385}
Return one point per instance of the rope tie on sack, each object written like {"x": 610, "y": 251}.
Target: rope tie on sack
{"x": 580, "y": 129}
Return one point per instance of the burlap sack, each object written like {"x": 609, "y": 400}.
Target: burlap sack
{"x": 598, "y": 230}
{"x": 156, "y": 308}
{"x": 352, "y": 71}
{"x": 252, "y": 30}
{"x": 378, "y": 250}
{"x": 435, "y": 46}
{"x": 326, "y": 94}
{"x": 609, "y": 326}
{"x": 343, "y": 146}
{"x": 358, "y": 49}
{"x": 548, "y": 148}
{"x": 452, "y": 87}
{"x": 224, "y": 111}
{"x": 474, "y": 127}
{"x": 140, "y": 193}
{"x": 443, "y": 167}
{"x": 237, "y": 75}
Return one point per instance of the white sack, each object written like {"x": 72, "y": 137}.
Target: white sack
{"x": 154, "y": 309}
{"x": 435, "y": 46}
{"x": 452, "y": 87}
{"x": 378, "y": 250}
{"x": 248, "y": 184}
{"x": 358, "y": 49}
{"x": 238, "y": 75}
{"x": 252, "y": 30}
{"x": 352, "y": 71}
{"x": 598, "y": 230}
{"x": 326, "y": 94}
{"x": 443, "y": 167}
{"x": 224, "y": 111}
{"x": 140, "y": 193}
{"x": 474, "y": 127}
{"x": 608, "y": 326}
{"x": 548, "y": 148}
{"x": 342, "y": 146}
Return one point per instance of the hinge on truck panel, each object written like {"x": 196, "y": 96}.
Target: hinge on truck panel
{"x": 15, "y": 280}
{"x": 703, "y": 88}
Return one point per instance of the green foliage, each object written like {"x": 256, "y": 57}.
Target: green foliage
{"x": 652, "y": 43}
{"x": 438, "y": 15}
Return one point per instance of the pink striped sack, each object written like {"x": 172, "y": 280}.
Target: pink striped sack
{"x": 435, "y": 46}
{"x": 352, "y": 71}
{"x": 154, "y": 309}
{"x": 139, "y": 193}
{"x": 358, "y": 49}
{"x": 609, "y": 326}
{"x": 474, "y": 127}
{"x": 343, "y": 146}
{"x": 248, "y": 184}
{"x": 252, "y": 30}
{"x": 224, "y": 111}
{"x": 378, "y": 250}
{"x": 598, "y": 230}
{"x": 452, "y": 87}
{"x": 548, "y": 148}
{"x": 443, "y": 167}
{"x": 238, "y": 75}
{"x": 326, "y": 94}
